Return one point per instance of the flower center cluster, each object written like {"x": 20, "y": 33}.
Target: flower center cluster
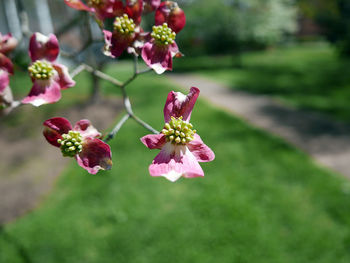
{"x": 41, "y": 70}
{"x": 94, "y": 2}
{"x": 124, "y": 25}
{"x": 71, "y": 143}
{"x": 163, "y": 34}
{"x": 178, "y": 131}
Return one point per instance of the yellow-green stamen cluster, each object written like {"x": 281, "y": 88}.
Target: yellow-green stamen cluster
{"x": 71, "y": 143}
{"x": 178, "y": 131}
{"x": 124, "y": 24}
{"x": 94, "y": 2}
{"x": 41, "y": 70}
{"x": 163, "y": 34}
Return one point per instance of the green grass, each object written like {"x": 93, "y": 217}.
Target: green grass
{"x": 260, "y": 201}
{"x": 310, "y": 77}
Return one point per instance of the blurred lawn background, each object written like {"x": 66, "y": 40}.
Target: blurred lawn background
{"x": 261, "y": 200}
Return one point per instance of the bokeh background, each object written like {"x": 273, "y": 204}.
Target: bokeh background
{"x": 262, "y": 200}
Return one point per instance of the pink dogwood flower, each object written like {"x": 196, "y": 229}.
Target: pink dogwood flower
{"x": 169, "y": 12}
{"x": 126, "y": 29}
{"x": 181, "y": 148}
{"x": 101, "y": 8}
{"x": 48, "y": 77}
{"x": 80, "y": 142}
{"x": 7, "y": 43}
{"x": 159, "y": 51}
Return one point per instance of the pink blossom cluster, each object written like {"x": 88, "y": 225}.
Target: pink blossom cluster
{"x": 181, "y": 148}
{"x": 157, "y": 48}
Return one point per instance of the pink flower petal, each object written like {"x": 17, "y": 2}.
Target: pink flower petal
{"x": 64, "y": 79}
{"x": 178, "y": 104}
{"x": 43, "y": 47}
{"x": 106, "y": 9}
{"x": 116, "y": 43}
{"x": 4, "y": 80}
{"x": 201, "y": 151}
{"x": 134, "y": 9}
{"x": 175, "y": 161}
{"x": 157, "y": 57}
{"x": 95, "y": 155}
{"x": 6, "y": 64}
{"x": 7, "y": 43}
{"x": 86, "y": 129}
{"x": 54, "y": 128}
{"x": 78, "y": 5}
{"x": 169, "y": 12}
{"x": 154, "y": 141}
{"x": 43, "y": 92}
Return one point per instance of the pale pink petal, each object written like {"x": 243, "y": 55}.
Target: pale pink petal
{"x": 54, "y": 128}
{"x": 157, "y": 57}
{"x": 95, "y": 155}
{"x": 43, "y": 47}
{"x": 175, "y": 161}
{"x": 178, "y": 104}
{"x": 78, "y": 5}
{"x": 43, "y": 92}
{"x": 86, "y": 129}
{"x": 63, "y": 78}
{"x": 201, "y": 151}
{"x": 154, "y": 141}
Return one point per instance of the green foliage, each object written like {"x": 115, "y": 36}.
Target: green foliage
{"x": 260, "y": 201}
{"x": 334, "y": 18}
{"x": 224, "y": 26}
{"x": 307, "y": 76}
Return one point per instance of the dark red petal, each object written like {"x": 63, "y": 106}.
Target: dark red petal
{"x": 150, "y": 5}
{"x": 134, "y": 9}
{"x": 54, "y": 128}
{"x": 116, "y": 43}
{"x": 6, "y": 64}
{"x": 105, "y": 10}
{"x": 95, "y": 155}
{"x": 43, "y": 47}
{"x": 169, "y": 12}
{"x": 177, "y": 104}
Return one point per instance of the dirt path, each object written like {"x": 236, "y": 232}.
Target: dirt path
{"x": 29, "y": 165}
{"x": 327, "y": 141}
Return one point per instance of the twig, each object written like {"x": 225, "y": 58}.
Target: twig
{"x": 117, "y": 127}
{"x": 144, "y": 124}
{"x": 77, "y": 70}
